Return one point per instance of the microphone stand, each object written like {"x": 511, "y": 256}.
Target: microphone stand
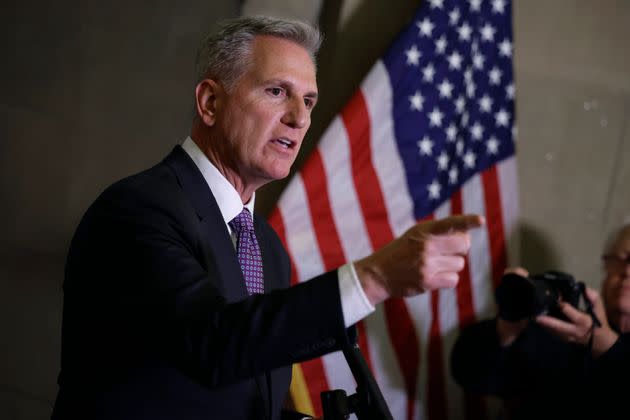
{"x": 367, "y": 403}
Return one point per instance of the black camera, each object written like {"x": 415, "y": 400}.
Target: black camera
{"x": 521, "y": 297}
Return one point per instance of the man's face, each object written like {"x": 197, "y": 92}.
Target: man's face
{"x": 616, "y": 286}
{"x": 264, "y": 119}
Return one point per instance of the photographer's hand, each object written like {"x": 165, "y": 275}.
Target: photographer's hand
{"x": 580, "y": 329}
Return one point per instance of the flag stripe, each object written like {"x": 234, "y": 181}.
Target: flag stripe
{"x": 299, "y": 231}
{"x": 386, "y": 159}
{"x": 495, "y": 225}
{"x": 325, "y": 228}
{"x": 415, "y": 142}
{"x": 465, "y": 303}
{"x": 344, "y": 203}
{"x": 508, "y": 192}
{"x": 436, "y": 408}
{"x": 479, "y": 258}
{"x": 299, "y": 240}
{"x": 357, "y": 123}
{"x": 404, "y": 341}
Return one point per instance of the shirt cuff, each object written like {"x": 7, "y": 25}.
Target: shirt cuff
{"x": 354, "y": 303}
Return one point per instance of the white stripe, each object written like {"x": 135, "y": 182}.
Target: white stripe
{"x": 508, "y": 188}
{"x": 449, "y": 327}
{"x": 420, "y": 312}
{"x": 419, "y": 307}
{"x": 479, "y": 258}
{"x": 338, "y": 372}
{"x": 387, "y": 163}
{"x": 384, "y": 362}
{"x": 344, "y": 202}
{"x": 299, "y": 231}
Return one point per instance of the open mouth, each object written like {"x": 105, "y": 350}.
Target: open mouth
{"x": 284, "y": 142}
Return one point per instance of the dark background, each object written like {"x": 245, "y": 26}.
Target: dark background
{"x": 94, "y": 91}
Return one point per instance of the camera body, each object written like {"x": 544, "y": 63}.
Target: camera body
{"x": 521, "y": 297}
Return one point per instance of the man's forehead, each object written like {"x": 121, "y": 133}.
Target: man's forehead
{"x": 283, "y": 59}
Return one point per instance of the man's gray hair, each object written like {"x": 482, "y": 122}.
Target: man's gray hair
{"x": 225, "y": 54}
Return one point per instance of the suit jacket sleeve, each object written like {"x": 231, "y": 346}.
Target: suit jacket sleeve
{"x": 139, "y": 274}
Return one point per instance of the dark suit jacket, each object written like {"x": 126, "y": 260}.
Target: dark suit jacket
{"x": 157, "y": 323}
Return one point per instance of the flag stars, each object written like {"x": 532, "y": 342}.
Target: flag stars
{"x": 455, "y": 61}
{"x": 445, "y": 88}
{"x": 434, "y": 189}
{"x": 426, "y": 146}
{"x": 510, "y": 91}
{"x": 427, "y": 73}
{"x": 495, "y": 76}
{"x": 470, "y": 89}
{"x": 453, "y": 17}
{"x": 459, "y": 147}
{"x": 476, "y": 131}
{"x": 435, "y": 117}
{"x": 460, "y": 104}
{"x": 437, "y": 4}
{"x": 487, "y": 32}
{"x": 478, "y": 61}
{"x": 475, "y": 5}
{"x": 505, "y": 48}
{"x": 451, "y": 132}
{"x": 440, "y": 45}
{"x": 426, "y": 27}
{"x": 498, "y": 6}
{"x": 468, "y": 75}
{"x": 492, "y": 146}
{"x": 469, "y": 159}
{"x": 485, "y": 103}
{"x": 442, "y": 161}
{"x": 464, "y": 32}
{"x": 502, "y": 118}
{"x": 453, "y": 175}
{"x": 416, "y": 101}
{"x": 413, "y": 55}
{"x": 465, "y": 117}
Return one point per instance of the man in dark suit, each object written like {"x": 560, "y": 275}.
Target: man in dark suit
{"x": 176, "y": 302}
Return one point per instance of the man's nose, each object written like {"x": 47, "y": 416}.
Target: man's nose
{"x": 297, "y": 115}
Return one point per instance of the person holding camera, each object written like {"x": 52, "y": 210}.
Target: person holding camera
{"x": 553, "y": 360}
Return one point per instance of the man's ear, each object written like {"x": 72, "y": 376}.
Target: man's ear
{"x": 206, "y": 95}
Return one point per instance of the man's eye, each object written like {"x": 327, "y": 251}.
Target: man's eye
{"x": 275, "y": 91}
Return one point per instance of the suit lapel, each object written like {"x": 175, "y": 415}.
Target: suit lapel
{"x": 223, "y": 267}
{"x": 224, "y": 270}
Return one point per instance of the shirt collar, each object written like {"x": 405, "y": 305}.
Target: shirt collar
{"x": 225, "y": 194}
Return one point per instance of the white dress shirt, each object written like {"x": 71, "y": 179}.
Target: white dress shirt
{"x": 354, "y": 303}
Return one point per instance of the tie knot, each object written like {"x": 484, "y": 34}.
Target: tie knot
{"x": 243, "y": 222}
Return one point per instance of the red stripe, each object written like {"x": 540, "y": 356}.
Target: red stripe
{"x": 494, "y": 223}
{"x": 465, "y": 305}
{"x": 402, "y": 332}
{"x": 474, "y": 405}
{"x": 436, "y": 389}
{"x": 277, "y": 223}
{"x": 313, "y": 370}
{"x": 314, "y": 178}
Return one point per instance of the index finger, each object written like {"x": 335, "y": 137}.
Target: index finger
{"x": 459, "y": 223}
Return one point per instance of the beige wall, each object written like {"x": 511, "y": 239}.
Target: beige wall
{"x": 92, "y": 91}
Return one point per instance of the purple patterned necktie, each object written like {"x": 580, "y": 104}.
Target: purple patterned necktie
{"x": 248, "y": 252}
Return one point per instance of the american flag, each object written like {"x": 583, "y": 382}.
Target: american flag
{"x": 429, "y": 133}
